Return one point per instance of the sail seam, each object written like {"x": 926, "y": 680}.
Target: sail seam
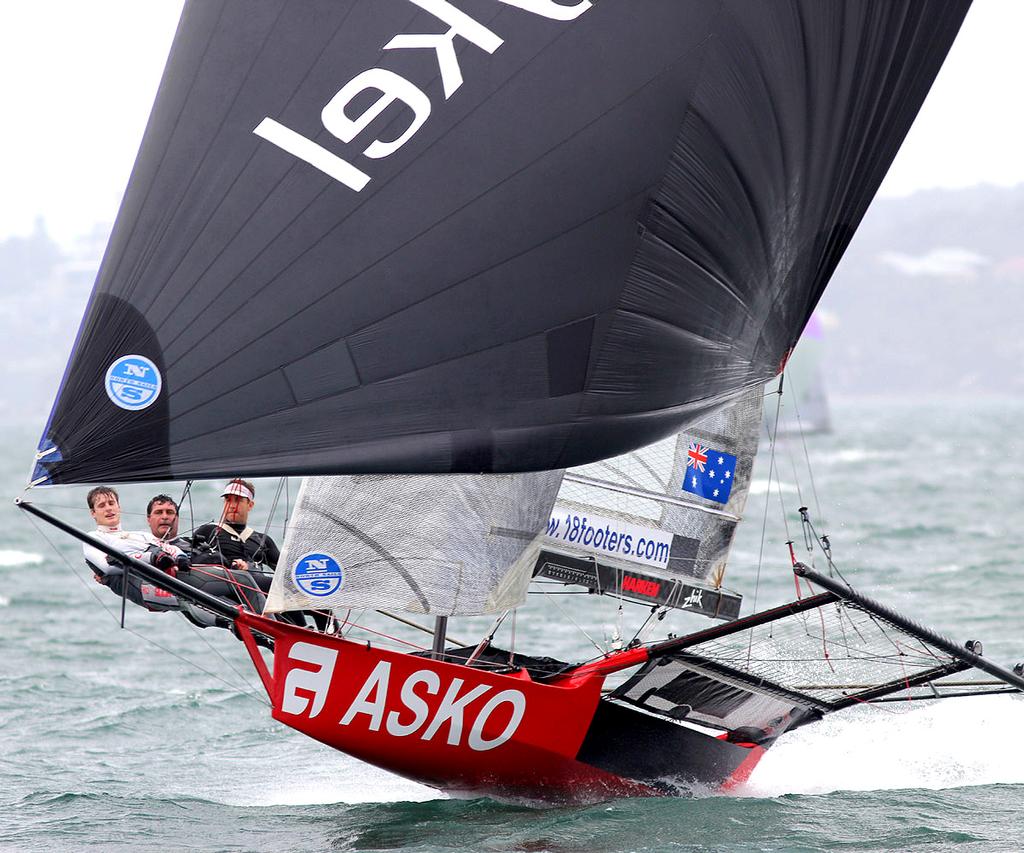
{"x": 436, "y": 224}
{"x": 644, "y": 493}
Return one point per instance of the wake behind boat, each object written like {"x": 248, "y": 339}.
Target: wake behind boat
{"x": 431, "y": 254}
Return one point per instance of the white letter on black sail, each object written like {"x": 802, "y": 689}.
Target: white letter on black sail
{"x": 392, "y": 88}
{"x": 550, "y": 9}
{"x": 316, "y": 155}
{"x": 444, "y": 45}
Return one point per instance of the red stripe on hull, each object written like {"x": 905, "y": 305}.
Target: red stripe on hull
{"x": 742, "y": 773}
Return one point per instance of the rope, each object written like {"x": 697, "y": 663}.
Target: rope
{"x": 187, "y": 493}
{"x": 807, "y": 458}
{"x": 579, "y": 627}
{"x": 386, "y": 636}
{"x": 273, "y": 505}
{"x": 246, "y": 691}
{"x": 827, "y": 551}
{"x": 764, "y": 521}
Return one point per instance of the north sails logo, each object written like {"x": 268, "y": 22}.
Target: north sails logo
{"x": 393, "y": 88}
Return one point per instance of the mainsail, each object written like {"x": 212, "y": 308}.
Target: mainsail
{"x": 455, "y": 545}
{"x": 414, "y": 236}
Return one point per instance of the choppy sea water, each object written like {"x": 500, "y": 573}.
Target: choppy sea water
{"x": 158, "y": 738}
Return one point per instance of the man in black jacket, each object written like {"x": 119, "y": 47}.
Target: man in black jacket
{"x": 249, "y": 557}
{"x": 231, "y": 542}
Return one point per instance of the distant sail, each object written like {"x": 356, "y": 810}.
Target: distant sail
{"x": 446, "y": 545}
{"x": 437, "y": 236}
{"x": 804, "y": 404}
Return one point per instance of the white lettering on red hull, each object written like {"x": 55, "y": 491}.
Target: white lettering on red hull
{"x": 451, "y": 711}
{"x": 317, "y": 681}
{"x": 377, "y": 687}
{"x": 413, "y": 702}
{"x": 476, "y": 734}
{"x": 306, "y": 692}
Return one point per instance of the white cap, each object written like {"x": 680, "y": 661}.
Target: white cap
{"x": 234, "y": 488}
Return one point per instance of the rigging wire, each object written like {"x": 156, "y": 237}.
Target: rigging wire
{"x": 248, "y": 690}
{"x": 807, "y": 457}
{"x": 273, "y": 506}
{"x": 826, "y": 549}
{"x": 187, "y": 493}
{"x": 764, "y": 521}
{"x": 579, "y": 627}
{"x": 656, "y": 612}
{"x": 487, "y": 639}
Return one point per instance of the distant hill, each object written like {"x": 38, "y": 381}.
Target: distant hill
{"x": 929, "y": 298}
{"x": 43, "y": 292}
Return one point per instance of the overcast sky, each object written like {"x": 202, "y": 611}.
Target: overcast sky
{"x": 78, "y": 79}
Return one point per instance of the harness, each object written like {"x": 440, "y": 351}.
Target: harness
{"x": 234, "y": 534}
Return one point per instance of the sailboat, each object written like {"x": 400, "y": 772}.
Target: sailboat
{"x": 805, "y": 410}
{"x": 503, "y": 280}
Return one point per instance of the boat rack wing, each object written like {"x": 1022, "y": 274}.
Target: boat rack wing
{"x": 644, "y": 587}
{"x": 761, "y": 675}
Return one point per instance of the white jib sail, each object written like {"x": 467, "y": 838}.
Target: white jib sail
{"x": 449, "y": 545}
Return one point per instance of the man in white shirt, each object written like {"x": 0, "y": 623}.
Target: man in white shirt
{"x": 105, "y": 508}
{"x": 162, "y": 518}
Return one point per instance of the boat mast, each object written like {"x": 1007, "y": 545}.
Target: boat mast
{"x": 440, "y": 632}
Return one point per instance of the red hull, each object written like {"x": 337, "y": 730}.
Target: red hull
{"x": 465, "y": 729}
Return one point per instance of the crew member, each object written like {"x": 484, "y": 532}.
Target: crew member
{"x": 229, "y": 558}
{"x": 162, "y": 517}
{"x": 231, "y": 542}
{"x": 243, "y": 552}
{"x": 105, "y": 508}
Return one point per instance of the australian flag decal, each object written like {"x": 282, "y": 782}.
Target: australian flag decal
{"x": 709, "y": 472}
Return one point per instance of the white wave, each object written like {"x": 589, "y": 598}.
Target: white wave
{"x": 19, "y": 558}
{"x": 945, "y": 569}
{"x": 948, "y": 744}
{"x": 369, "y": 786}
{"x": 760, "y": 487}
{"x": 852, "y": 455}
{"x": 305, "y": 773}
{"x": 4, "y": 601}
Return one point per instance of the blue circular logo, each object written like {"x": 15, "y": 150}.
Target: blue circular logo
{"x": 317, "y": 574}
{"x": 133, "y": 382}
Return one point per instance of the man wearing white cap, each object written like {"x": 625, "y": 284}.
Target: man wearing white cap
{"x": 248, "y": 557}
{"x": 231, "y": 542}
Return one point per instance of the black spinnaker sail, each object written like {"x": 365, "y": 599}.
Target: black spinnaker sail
{"x": 477, "y": 235}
